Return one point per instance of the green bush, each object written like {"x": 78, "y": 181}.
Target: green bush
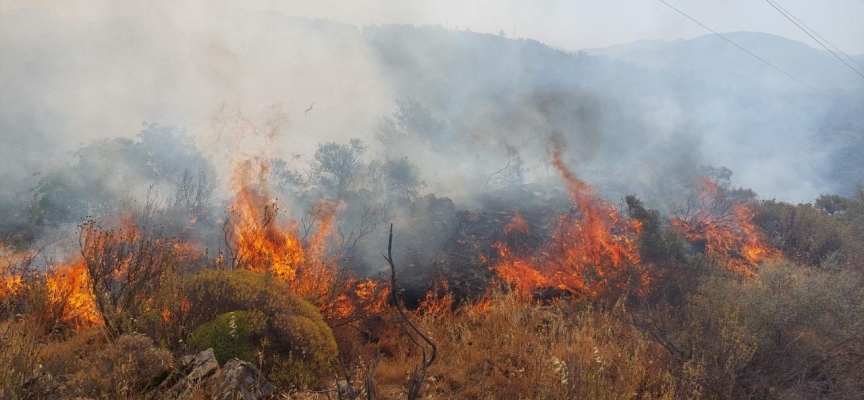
{"x": 829, "y": 234}
{"x": 231, "y": 335}
{"x": 803, "y": 233}
{"x": 282, "y": 330}
{"x": 790, "y": 332}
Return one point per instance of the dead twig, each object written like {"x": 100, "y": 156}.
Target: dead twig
{"x": 411, "y": 329}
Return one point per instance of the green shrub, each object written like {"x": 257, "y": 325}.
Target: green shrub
{"x": 231, "y": 335}
{"x": 283, "y": 331}
{"x": 803, "y": 233}
{"x": 830, "y": 234}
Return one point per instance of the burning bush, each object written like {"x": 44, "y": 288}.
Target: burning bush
{"x": 125, "y": 267}
{"x": 260, "y": 241}
{"x": 592, "y": 252}
{"x": 723, "y": 227}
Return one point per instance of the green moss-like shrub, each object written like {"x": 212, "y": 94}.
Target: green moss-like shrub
{"x": 296, "y": 346}
{"x": 231, "y": 335}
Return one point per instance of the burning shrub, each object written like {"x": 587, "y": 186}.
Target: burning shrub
{"x": 13, "y": 268}
{"x": 125, "y": 268}
{"x": 721, "y": 226}
{"x": 592, "y": 252}
{"x": 297, "y": 346}
{"x": 259, "y": 240}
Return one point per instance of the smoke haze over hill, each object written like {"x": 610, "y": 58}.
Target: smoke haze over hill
{"x": 253, "y": 80}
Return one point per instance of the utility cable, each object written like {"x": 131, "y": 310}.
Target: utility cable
{"x": 820, "y": 36}
{"x": 813, "y": 37}
{"x": 832, "y": 98}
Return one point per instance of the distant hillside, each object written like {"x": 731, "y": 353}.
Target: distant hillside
{"x": 644, "y": 114}
{"x": 711, "y": 54}
{"x": 638, "y": 118}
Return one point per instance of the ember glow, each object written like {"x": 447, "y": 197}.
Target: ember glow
{"x": 592, "y": 250}
{"x": 725, "y": 229}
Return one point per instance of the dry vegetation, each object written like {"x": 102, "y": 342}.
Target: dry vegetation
{"x": 727, "y": 299}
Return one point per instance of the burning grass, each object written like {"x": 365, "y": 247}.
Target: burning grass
{"x": 567, "y": 320}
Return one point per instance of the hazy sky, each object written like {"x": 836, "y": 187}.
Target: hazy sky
{"x": 578, "y": 24}
{"x": 570, "y": 24}
{"x": 90, "y": 69}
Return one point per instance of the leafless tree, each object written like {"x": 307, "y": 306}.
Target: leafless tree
{"x": 125, "y": 267}
{"x": 428, "y": 348}
{"x": 194, "y": 194}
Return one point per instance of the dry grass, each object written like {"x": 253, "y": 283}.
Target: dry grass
{"x": 517, "y": 349}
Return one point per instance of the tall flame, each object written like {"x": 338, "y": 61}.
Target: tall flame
{"x": 70, "y": 290}
{"x": 262, "y": 243}
{"x": 592, "y": 250}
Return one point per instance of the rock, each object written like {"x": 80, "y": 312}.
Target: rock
{"x": 202, "y": 366}
{"x": 241, "y": 380}
{"x": 194, "y": 373}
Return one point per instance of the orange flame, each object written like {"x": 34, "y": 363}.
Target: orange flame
{"x": 726, "y": 229}
{"x": 592, "y": 251}
{"x": 11, "y": 281}
{"x": 70, "y": 290}
{"x": 265, "y": 244}
{"x": 517, "y": 225}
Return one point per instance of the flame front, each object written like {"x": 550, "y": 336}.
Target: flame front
{"x": 592, "y": 250}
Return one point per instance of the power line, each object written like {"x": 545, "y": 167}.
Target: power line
{"x": 814, "y": 38}
{"x": 817, "y": 34}
{"x": 832, "y": 98}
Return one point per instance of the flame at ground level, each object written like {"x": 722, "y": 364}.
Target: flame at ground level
{"x": 70, "y": 290}
{"x": 726, "y": 230}
{"x": 592, "y": 251}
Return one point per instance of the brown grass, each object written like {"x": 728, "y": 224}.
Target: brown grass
{"x": 517, "y": 349}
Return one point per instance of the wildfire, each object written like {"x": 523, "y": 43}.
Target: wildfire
{"x": 264, "y": 243}
{"x": 67, "y": 287}
{"x": 70, "y": 290}
{"x": 725, "y": 229}
{"x": 11, "y": 281}
{"x": 592, "y": 250}
{"x": 517, "y": 225}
